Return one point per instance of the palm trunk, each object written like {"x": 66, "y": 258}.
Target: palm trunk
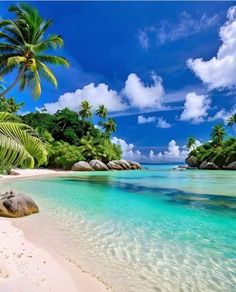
{"x": 22, "y": 71}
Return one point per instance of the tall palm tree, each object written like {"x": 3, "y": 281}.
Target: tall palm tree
{"x": 19, "y": 144}
{"x": 23, "y": 46}
{"x": 109, "y": 126}
{"x": 231, "y": 121}
{"x": 85, "y": 110}
{"x": 102, "y": 112}
{"x": 218, "y": 133}
{"x": 191, "y": 143}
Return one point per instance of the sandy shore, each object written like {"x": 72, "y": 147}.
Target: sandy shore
{"x": 25, "y": 267}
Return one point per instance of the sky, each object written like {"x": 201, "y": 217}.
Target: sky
{"x": 164, "y": 70}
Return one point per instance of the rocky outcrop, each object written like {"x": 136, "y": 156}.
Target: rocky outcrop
{"x": 16, "y": 205}
{"x": 98, "y": 165}
{"x": 114, "y": 166}
{"x": 231, "y": 166}
{"x": 82, "y": 166}
{"x": 192, "y": 161}
{"x": 208, "y": 165}
{"x": 134, "y": 164}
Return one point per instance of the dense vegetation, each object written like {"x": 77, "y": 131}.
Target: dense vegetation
{"x": 219, "y": 150}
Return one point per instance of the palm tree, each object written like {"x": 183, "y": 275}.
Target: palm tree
{"x": 102, "y": 112}
{"x": 19, "y": 144}
{"x": 218, "y": 134}
{"x": 191, "y": 143}
{"x": 23, "y": 46}
{"x": 231, "y": 121}
{"x": 85, "y": 110}
{"x": 109, "y": 126}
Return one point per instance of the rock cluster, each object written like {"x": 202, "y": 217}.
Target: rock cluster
{"x": 98, "y": 165}
{"x": 192, "y": 162}
{"x": 16, "y": 205}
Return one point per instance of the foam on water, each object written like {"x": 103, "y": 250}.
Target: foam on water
{"x": 152, "y": 230}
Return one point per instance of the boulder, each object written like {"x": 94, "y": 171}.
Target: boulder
{"x": 134, "y": 164}
{"x": 114, "y": 166}
{"x": 123, "y": 163}
{"x": 82, "y": 166}
{"x": 98, "y": 165}
{"x": 16, "y": 205}
{"x": 208, "y": 165}
{"x": 231, "y": 166}
{"x": 192, "y": 161}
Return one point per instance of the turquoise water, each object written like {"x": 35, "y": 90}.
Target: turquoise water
{"x": 153, "y": 230}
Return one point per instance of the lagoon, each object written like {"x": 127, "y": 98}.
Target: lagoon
{"x": 157, "y": 229}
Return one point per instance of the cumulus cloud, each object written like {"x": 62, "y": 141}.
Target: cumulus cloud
{"x": 220, "y": 71}
{"x": 223, "y": 115}
{"x": 174, "y": 152}
{"x": 144, "y": 96}
{"x": 169, "y": 31}
{"x": 195, "y": 108}
{"x": 96, "y": 95}
{"x": 145, "y": 120}
{"x": 162, "y": 123}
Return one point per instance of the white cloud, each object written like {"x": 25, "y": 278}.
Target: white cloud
{"x": 144, "y": 96}
{"x": 145, "y": 120}
{"x": 174, "y": 152}
{"x": 223, "y": 115}
{"x": 220, "y": 71}
{"x": 96, "y": 95}
{"x": 168, "y": 32}
{"x": 195, "y": 108}
{"x": 162, "y": 123}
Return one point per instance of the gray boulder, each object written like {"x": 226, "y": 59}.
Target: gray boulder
{"x": 123, "y": 163}
{"x": 192, "y": 161}
{"x": 114, "y": 166}
{"x": 134, "y": 164}
{"x": 98, "y": 165}
{"x": 231, "y": 166}
{"x": 16, "y": 205}
{"x": 82, "y": 166}
{"x": 208, "y": 165}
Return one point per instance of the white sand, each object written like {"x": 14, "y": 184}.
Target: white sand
{"x": 24, "y": 267}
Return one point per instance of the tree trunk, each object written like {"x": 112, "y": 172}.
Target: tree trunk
{"x": 22, "y": 71}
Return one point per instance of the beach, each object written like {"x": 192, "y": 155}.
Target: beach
{"x": 26, "y": 267}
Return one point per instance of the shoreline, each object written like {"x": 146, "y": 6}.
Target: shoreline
{"x": 24, "y": 265}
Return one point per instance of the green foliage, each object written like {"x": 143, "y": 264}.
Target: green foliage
{"x": 9, "y": 105}
{"x": 23, "y": 46}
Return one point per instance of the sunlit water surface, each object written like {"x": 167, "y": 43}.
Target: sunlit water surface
{"x": 157, "y": 229}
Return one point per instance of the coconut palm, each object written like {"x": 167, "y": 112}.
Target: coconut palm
{"x": 22, "y": 47}
{"x": 19, "y": 144}
{"x": 109, "y": 126}
{"x": 191, "y": 143}
{"x": 102, "y": 112}
{"x": 218, "y": 134}
{"x": 231, "y": 121}
{"x": 85, "y": 110}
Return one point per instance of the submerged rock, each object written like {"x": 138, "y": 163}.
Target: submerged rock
{"x": 16, "y": 205}
{"x": 231, "y": 166}
{"x": 82, "y": 166}
{"x": 98, "y": 165}
{"x": 208, "y": 165}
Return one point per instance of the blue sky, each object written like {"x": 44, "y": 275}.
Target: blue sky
{"x": 162, "y": 68}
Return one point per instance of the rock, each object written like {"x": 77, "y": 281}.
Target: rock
{"x": 16, "y": 205}
{"x": 98, "y": 165}
{"x": 231, "y": 166}
{"x": 13, "y": 172}
{"x": 192, "y": 161}
{"x": 114, "y": 166}
{"x": 134, "y": 164}
{"x": 208, "y": 165}
{"x": 82, "y": 166}
{"x": 123, "y": 163}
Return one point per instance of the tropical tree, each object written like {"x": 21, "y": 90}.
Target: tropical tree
{"x": 10, "y": 105}
{"x": 218, "y": 133}
{"x": 19, "y": 144}
{"x": 85, "y": 110}
{"x": 102, "y": 112}
{"x": 109, "y": 126}
{"x": 22, "y": 47}
{"x": 231, "y": 121}
{"x": 191, "y": 143}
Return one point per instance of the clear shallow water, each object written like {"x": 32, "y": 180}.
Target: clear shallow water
{"x": 151, "y": 230}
